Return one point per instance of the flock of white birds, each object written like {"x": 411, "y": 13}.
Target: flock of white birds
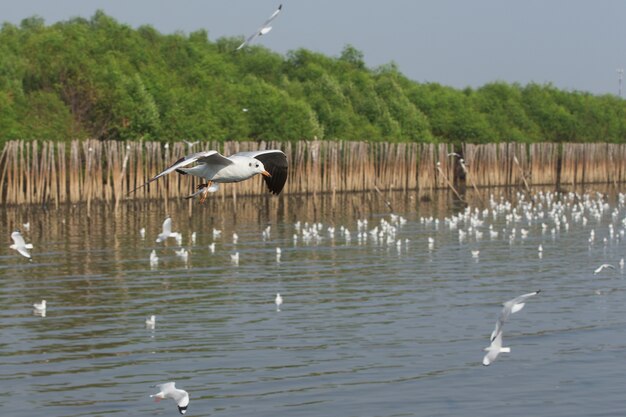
{"x": 551, "y": 213}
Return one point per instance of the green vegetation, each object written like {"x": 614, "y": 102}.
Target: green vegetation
{"x": 101, "y": 79}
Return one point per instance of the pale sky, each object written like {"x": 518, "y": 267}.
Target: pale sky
{"x": 573, "y": 44}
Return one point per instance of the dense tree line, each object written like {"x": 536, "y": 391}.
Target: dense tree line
{"x": 102, "y": 79}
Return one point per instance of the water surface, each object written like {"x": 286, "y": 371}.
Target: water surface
{"x": 369, "y": 327}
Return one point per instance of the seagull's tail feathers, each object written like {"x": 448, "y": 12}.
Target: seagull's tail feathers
{"x": 141, "y": 186}
{"x": 156, "y": 177}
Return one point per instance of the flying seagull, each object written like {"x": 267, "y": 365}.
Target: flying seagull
{"x": 494, "y": 349}
{"x": 169, "y": 390}
{"x": 510, "y": 307}
{"x": 216, "y": 168}
{"x": 190, "y": 145}
{"x": 167, "y": 231}
{"x": 598, "y": 269}
{"x": 20, "y": 245}
{"x": 263, "y": 30}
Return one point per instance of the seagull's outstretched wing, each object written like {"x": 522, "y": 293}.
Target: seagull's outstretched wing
{"x": 209, "y": 157}
{"x": 512, "y": 306}
{"x": 20, "y": 245}
{"x": 263, "y": 29}
{"x": 167, "y": 227}
{"x": 275, "y": 162}
{"x": 601, "y": 267}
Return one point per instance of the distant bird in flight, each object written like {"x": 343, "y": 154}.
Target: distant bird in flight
{"x": 494, "y": 350}
{"x": 20, "y": 245}
{"x": 263, "y": 30}
{"x": 510, "y": 307}
{"x": 167, "y": 231}
{"x": 216, "y": 168}
{"x": 169, "y": 390}
{"x": 601, "y": 267}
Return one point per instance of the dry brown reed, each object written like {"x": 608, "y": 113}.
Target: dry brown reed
{"x": 45, "y": 172}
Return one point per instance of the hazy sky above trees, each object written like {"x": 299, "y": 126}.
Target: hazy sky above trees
{"x": 573, "y": 44}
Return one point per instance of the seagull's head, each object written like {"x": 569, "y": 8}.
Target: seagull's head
{"x": 257, "y": 167}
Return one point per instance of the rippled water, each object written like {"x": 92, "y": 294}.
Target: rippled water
{"x": 366, "y": 329}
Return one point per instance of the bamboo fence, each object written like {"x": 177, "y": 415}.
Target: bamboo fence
{"x": 45, "y": 172}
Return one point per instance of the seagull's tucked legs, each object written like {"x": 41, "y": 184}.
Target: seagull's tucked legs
{"x": 205, "y": 191}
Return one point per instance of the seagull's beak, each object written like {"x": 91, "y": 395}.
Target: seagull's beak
{"x": 265, "y": 174}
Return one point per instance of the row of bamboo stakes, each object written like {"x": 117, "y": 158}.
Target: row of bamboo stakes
{"x": 46, "y": 172}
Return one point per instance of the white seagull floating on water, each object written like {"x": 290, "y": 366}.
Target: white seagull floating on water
{"x": 151, "y": 322}
{"x": 263, "y": 30}
{"x": 20, "y": 245}
{"x": 216, "y": 168}
{"x": 154, "y": 259}
{"x": 278, "y": 301}
{"x": 40, "y": 306}
{"x": 169, "y": 390}
{"x": 511, "y": 307}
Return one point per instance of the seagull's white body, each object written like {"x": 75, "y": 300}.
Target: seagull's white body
{"x": 40, "y": 306}
{"x": 151, "y": 322}
{"x": 169, "y": 390}
{"x": 263, "y": 30}
{"x": 234, "y": 258}
{"x": 278, "y": 301}
{"x": 511, "y": 307}
{"x": 494, "y": 349}
{"x": 601, "y": 267}
{"x": 167, "y": 231}
{"x": 20, "y": 245}
{"x": 154, "y": 259}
